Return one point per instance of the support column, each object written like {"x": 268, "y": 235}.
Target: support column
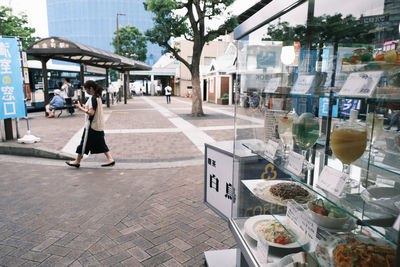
{"x": 45, "y": 82}
{"x": 82, "y": 80}
{"x": 152, "y": 85}
{"x": 126, "y": 82}
{"x": 107, "y": 93}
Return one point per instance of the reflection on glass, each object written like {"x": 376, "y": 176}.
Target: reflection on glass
{"x": 378, "y": 126}
{"x": 349, "y": 141}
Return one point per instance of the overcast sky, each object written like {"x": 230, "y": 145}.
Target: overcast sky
{"x": 37, "y": 12}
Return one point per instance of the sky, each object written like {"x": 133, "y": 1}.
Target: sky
{"x": 37, "y": 12}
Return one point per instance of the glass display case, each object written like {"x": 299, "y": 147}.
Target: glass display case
{"x": 314, "y": 102}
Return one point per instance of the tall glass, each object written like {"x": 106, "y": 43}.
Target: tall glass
{"x": 285, "y": 126}
{"x": 348, "y": 143}
{"x": 305, "y": 131}
{"x": 377, "y": 122}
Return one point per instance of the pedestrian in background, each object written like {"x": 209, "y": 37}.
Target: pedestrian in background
{"x": 168, "y": 91}
{"x": 56, "y": 102}
{"x": 93, "y": 135}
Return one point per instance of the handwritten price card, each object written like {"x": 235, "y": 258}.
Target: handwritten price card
{"x": 299, "y": 217}
{"x": 271, "y": 148}
{"x": 332, "y": 180}
{"x": 272, "y": 85}
{"x": 302, "y": 85}
{"x": 361, "y": 84}
{"x": 295, "y": 163}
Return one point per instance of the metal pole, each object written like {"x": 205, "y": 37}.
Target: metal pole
{"x": 45, "y": 81}
{"x": 126, "y": 82}
{"x": 107, "y": 93}
{"x": 81, "y": 77}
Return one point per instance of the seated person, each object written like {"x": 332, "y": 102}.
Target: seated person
{"x": 255, "y": 100}
{"x": 56, "y": 102}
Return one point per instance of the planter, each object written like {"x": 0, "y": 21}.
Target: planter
{"x": 222, "y": 101}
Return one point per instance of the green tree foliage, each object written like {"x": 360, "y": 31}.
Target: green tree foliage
{"x": 12, "y": 25}
{"x": 326, "y": 29}
{"x": 132, "y": 43}
{"x": 188, "y": 19}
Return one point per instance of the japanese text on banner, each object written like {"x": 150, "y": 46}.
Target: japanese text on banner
{"x": 11, "y": 93}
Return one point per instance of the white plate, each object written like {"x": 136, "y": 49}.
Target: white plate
{"x": 252, "y": 222}
{"x": 257, "y": 186}
{"x": 326, "y": 246}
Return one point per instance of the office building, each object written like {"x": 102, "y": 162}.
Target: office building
{"x": 93, "y": 22}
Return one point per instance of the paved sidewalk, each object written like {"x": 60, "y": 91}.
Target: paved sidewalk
{"x": 148, "y": 210}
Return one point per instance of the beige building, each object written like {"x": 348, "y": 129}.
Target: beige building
{"x": 211, "y": 51}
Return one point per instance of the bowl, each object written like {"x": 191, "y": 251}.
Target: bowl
{"x": 325, "y": 221}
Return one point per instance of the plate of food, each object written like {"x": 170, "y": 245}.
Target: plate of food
{"x": 355, "y": 250}
{"x": 273, "y": 231}
{"x": 280, "y": 192}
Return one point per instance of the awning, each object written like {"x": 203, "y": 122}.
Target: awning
{"x": 66, "y": 50}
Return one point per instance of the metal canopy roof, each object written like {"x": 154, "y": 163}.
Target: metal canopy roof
{"x": 66, "y": 50}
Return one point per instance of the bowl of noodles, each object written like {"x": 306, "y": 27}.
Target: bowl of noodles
{"x": 355, "y": 250}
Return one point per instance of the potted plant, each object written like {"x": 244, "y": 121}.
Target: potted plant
{"x": 224, "y": 100}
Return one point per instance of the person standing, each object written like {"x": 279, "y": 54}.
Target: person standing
{"x": 68, "y": 89}
{"x": 56, "y": 102}
{"x": 168, "y": 91}
{"x": 93, "y": 135}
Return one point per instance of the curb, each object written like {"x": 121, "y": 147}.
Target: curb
{"x": 17, "y": 150}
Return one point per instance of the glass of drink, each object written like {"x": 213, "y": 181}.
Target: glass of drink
{"x": 374, "y": 122}
{"x": 348, "y": 143}
{"x": 285, "y": 126}
{"x": 305, "y": 131}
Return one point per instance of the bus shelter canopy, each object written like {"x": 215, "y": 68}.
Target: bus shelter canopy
{"x": 66, "y": 50}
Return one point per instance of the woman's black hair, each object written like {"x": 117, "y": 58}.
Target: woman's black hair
{"x": 98, "y": 90}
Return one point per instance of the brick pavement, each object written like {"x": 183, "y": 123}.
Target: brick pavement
{"x": 59, "y": 216}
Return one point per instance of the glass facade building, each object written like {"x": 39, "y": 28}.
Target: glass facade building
{"x": 93, "y": 22}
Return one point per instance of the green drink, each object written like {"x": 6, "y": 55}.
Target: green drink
{"x": 306, "y": 131}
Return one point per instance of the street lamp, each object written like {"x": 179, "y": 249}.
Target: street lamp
{"x": 118, "y": 14}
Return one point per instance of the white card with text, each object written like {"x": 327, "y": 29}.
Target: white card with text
{"x": 332, "y": 180}
{"x": 361, "y": 84}
{"x": 303, "y": 84}
{"x": 299, "y": 217}
{"x": 271, "y": 148}
{"x": 272, "y": 85}
{"x": 295, "y": 162}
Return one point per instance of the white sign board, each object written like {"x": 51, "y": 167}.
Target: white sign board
{"x": 295, "y": 162}
{"x": 332, "y": 180}
{"x": 271, "y": 148}
{"x": 219, "y": 181}
{"x": 361, "y": 84}
{"x": 302, "y": 85}
{"x": 272, "y": 85}
{"x": 302, "y": 220}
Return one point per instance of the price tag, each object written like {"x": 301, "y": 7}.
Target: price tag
{"x": 396, "y": 225}
{"x": 302, "y": 84}
{"x": 271, "y": 148}
{"x": 299, "y": 217}
{"x": 272, "y": 85}
{"x": 295, "y": 162}
{"x": 361, "y": 84}
{"x": 332, "y": 180}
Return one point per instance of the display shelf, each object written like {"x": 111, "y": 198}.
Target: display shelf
{"x": 351, "y": 202}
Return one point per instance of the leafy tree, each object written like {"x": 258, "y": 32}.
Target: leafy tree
{"x": 132, "y": 43}
{"x": 188, "y": 19}
{"x": 16, "y": 26}
{"x": 326, "y": 29}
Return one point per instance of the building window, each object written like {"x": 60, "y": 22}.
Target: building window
{"x": 208, "y": 60}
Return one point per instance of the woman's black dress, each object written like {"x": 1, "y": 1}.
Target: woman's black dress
{"x": 95, "y": 143}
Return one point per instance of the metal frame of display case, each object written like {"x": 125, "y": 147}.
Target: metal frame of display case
{"x": 261, "y": 18}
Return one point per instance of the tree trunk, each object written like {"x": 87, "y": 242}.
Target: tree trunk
{"x": 197, "y": 103}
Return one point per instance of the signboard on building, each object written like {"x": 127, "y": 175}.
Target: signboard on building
{"x": 11, "y": 91}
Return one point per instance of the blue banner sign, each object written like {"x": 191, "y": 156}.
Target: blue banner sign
{"x": 324, "y": 107}
{"x": 347, "y": 105}
{"x": 11, "y": 88}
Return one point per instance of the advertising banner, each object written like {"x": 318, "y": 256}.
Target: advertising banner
{"x": 11, "y": 88}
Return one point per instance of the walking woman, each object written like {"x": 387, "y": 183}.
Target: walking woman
{"x": 93, "y": 135}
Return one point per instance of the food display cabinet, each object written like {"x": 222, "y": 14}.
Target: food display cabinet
{"x": 314, "y": 102}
